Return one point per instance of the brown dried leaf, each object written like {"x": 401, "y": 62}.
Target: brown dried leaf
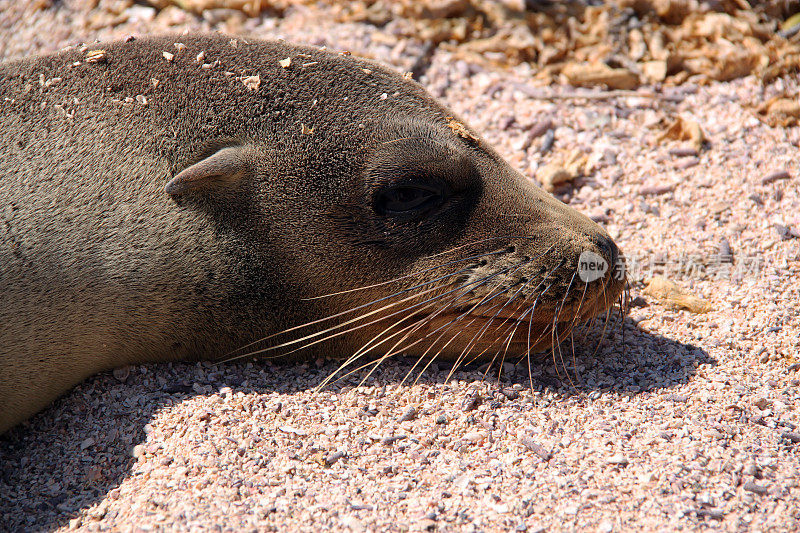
{"x": 674, "y": 296}
{"x": 552, "y": 175}
{"x": 461, "y": 130}
{"x": 655, "y": 71}
{"x": 682, "y": 129}
{"x": 600, "y": 74}
{"x": 782, "y": 110}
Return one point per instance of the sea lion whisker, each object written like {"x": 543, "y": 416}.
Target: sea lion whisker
{"x": 483, "y": 301}
{"x": 461, "y": 246}
{"x": 480, "y": 334}
{"x": 474, "y": 339}
{"x": 446, "y": 329}
{"x": 426, "y": 319}
{"x": 357, "y": 308}
{"x": 624, "y": 309}
{"x": 572, "y": 328}
{"x": 553, "y": 347}
{"x": 422, "y": 322}
{"x": 556, "y": 342}
{"x": 460, "y": 317}
{"x": 498, "y": 337}
{"x": 432, "y": 359}
{"x": 527, "y": 355}
{"x": 589, "y": 325}
{"x": 413, "y": 274}
{"x": 455, "y": 365}
{"x": 390, "y": 353}
{"x": 550, "y": 286}
{"x": 325, "y": 332}
{"x": 489, "y": 320}
{"x": 367, "y": 348}
{"x": 517, "y": 321}
{"x": 605, "y": 322}
{"x": 477, "y": 283}
{"x": 515, "y": 325}
{"x": 429, "y": 301}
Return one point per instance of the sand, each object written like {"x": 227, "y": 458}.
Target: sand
{"x": 678, "y": 420}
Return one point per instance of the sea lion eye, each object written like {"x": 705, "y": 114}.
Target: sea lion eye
{"x": 408, "y": 199}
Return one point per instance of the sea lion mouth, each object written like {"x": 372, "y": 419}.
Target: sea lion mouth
{"x": 512, "y": 327}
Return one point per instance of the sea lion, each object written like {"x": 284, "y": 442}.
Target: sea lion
{"x": 173, "y": 198}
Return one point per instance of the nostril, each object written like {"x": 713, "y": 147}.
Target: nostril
{"x": 608, "y": 249}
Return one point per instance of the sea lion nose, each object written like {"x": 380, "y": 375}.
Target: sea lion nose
{"x": 608, "y": 249}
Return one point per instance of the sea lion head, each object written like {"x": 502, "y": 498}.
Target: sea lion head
{"x": 394, "y": 226}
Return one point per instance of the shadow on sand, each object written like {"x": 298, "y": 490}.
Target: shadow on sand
{"x": 70, "y": 456}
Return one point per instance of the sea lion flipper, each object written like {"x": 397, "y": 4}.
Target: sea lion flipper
{"x": 219, "y": 169}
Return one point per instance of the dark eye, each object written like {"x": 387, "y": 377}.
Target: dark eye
{"x": 408, "y": 199}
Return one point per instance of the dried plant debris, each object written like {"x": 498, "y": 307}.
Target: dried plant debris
{"x": 681, "y": 129}
{"x": 674, "y": 296}
{"x": 618, "y": 44}
{"x": 780, "y": 110}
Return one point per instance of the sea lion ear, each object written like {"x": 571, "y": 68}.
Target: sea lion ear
{"x": 219, "y": 170}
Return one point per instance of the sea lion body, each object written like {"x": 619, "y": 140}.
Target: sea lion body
{"x": 285, "y": 181}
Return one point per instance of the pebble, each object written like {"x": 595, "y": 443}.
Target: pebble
{"x": 506, "y": 122}
{"x": 536, "y": 448}
{"x": 540, "y": 128}
{"x": 787, "y": 232}
{"x": 547, "y": 142}
{"x": 751, "y": 486}
{"x": 791, "y": 436}
{"x": 96, "y": 56}
{"x": 653, "y": 190}
{"x": 714, "y": 514}
{"x": 688, "y": 162}
{"x": 761, "y": 403}
{"x": 471, "y": 402}
{"x": 426, "y": 524}
{"x": 683, "y": 151}
{"x": 605, "y": 527}
{"x": 122, "y": 373}
{"x": 353, "y": 523}
{"x": 511, "y": 394}
{"x": 410, "y": 414}
{"x": 552, "y": 175}
{"x": 474, "y": 437}
{"x": 618, "y": 459}
{"x": 138, "y": 451}
{"x": 775, "y": 176}
{"x": 724, "y": 251}
{"x": 332, "y": 458}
